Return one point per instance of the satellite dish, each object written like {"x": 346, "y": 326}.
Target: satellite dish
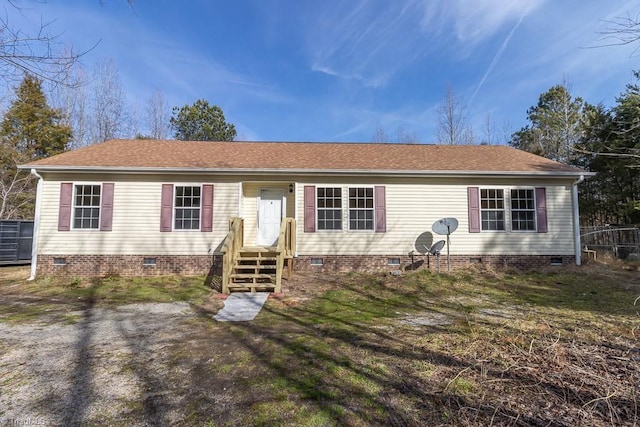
{"x": 437, "y": 247}
{"x": 445, "y": 226}
{"x": 423, "y": 242}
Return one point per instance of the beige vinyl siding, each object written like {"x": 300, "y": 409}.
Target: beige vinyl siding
{"x": 249, "y": 212}
{"x": 136, "y": 218}
{"x": 413, "y": 205}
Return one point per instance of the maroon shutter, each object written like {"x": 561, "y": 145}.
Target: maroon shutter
{"x": 381, "y": 210}
{"x": 166, "y": 208}
{"x": 106, "y": 208}
{"x": 309, "y": 208}
{"x": 64, "y": 210}
{"x": 473, "y": 197}
{"x": 207, "y": 208}
{"x": 541, "y": 209}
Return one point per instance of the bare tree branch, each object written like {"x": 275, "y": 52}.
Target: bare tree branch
{"x": 610, "y": 154}
{"x": 623, "y": 30}
{"x": 158, "y": 116}
{"x": 453, "y": 127}
{"x": 38, "y": 54}
{"x": 17, "y": 184}
{"x": 15, "y": 187}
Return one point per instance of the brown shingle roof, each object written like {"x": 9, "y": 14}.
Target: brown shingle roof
{"x": 300, "y": 156}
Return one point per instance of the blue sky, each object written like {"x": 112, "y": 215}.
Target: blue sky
{"x": 303, "y": 70}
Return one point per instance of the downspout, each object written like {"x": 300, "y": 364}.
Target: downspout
{"x": 36, "y": 226}
{"x": 576, "y": 220}
{"x": 295, "y": 213}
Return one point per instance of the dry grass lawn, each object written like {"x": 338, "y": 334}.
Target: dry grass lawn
{"x": 474, "y": 347}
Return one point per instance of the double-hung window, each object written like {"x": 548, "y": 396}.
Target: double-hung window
{"x": 86, "y": 207}
{"x": 361, "y": 208}
{"x": 492, "y": 209}
{"x": 523, "y": 210}
{"x": 512, "y": 209}
{"x": 329, "y": 206}
{"x": 187, "y": 208}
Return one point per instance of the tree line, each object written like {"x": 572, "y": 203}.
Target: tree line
{"x": 561, "y": 127}
{"x": 600, "y": 139}
{"x": 94, "y": 104}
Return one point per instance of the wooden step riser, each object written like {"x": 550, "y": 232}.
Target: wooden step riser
{"x": 252, "y": 289}
{"x": 253, "y": 264}
{"x": 251, "y": 274}
{"x": 258, "y": 255}
{"x": 255, "y": 267}
{"x": 252, "y": 283}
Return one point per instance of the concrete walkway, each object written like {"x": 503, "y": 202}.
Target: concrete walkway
{"x": 241, "y": 307}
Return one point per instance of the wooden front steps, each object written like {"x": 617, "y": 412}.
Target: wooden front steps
{"x": 255, "y": 268}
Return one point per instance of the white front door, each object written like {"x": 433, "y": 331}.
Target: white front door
{"x": 269, "y": 215}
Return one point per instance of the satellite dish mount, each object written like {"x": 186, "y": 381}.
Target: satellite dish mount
{"x": 435, "y": 250}
{"x": 445, "y": 227}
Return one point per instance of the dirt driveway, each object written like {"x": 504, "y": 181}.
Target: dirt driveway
{"x": 97, "y": 364}
{"x": 86, "y": 363}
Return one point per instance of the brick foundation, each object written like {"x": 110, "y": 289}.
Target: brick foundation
{"x": 381, "y": 262}
{"x": 133, "y": 265}
{"x": 128, "y": 265}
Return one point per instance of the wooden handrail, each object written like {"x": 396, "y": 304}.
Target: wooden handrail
{"x": 286, "y": 237}
{"x": 286, "y": 248}
{"x": 231, "y": 249}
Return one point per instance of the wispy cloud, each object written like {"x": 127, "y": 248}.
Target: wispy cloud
{"x": 497, "y": 56}
{"x": 569, "y": 51}
{"x": 415, "y": 118}
{"x": 370, "y": 41}
{"x": 474, "y": 22}
{"x": 366, "y": 41}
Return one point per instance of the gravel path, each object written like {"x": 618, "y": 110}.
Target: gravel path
{"x": 93, "y": 369}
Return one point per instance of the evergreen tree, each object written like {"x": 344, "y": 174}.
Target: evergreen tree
{"x": 611, "y": 147}
{"x": 618, "y": 159}
{"x": 30, "y": 126}
{"x": 596, "y": 204}
{"x": 29, "y": 130}
{"x": 201, "y": 122}
{"x": 555, "y": 125}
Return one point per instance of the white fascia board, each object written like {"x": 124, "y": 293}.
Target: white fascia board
{"x": 288, "y": 172}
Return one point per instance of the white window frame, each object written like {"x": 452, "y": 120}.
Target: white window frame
{"x": 534, "y": 210}
{"x": 175, "y": 208}
{"x": 373, "y": 209}
{"x": 504, "y": 210}
{"x": 337, "y": 230}
{"x": 74, "y": 205}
